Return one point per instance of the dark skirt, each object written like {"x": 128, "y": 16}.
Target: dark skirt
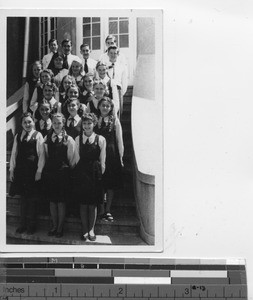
{"x": 24, "y": 183}
{"x": 112, "y": 178}
{"x": 56, "y": 184}
{"x": 87, "y": 184}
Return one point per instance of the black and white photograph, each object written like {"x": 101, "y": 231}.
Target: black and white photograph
{"x": 84, "y": 130}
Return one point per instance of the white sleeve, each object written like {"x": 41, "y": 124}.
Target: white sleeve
{"x": 83, "y": 107}
{"x": 88, "y": 108}
{"x": 77, "y": 142}
{"x": 41, "y": 152}
{"x": 102, "y": 145}
{"x": 73, "y": 156}
{"x": 119, "y": 137}
{"x": 25, "y": 97}
{"x": 14, "y": 153}
{"x": 44, "y": 62}
{"x": 58, "y": 107}
{"x": 124, "y": 80}
{"x": 45, "y": 147}
{"x": 34, "y": 100}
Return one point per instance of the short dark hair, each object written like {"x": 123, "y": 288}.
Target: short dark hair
{"x": 90, "y": 116}
{"x": 26, "y": 115}
{"x": 51, "y": 41}
{"x": 48, "y": 71}
{"x": 84, "y": 45}
{"x": 58, "y": 55}
{"x": 74, "y": 86}
{"x": 44, "y": 102}
{"x": 66, "y": 41}
{"x": 52, "y": 85}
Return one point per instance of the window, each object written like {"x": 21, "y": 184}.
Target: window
{"x": 119, "y": 27}
{"x": 92, "y": 32}
{"x": 53, "y": 28}
{"x": 43, "y": 36}
{"x": 48, "y": 30}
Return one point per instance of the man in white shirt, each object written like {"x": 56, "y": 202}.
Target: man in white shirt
{"x": 89, "y": 64}
{"x": 47, "y": 59}
{"x": 118, "y": 75}
{"x": 112, "y": 41}
{"x": 66, "y": 52}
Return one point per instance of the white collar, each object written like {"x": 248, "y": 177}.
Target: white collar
{"x": 29, "y": 133}
{"x": 76, "y": 118}
{"x": 91, "y": 138}
{"x": 48, "y": 121}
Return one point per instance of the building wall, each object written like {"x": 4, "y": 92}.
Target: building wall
{"x": 145, "y": 36}
{"x": 15, "y": 53}
{"x": 145, "y": 72}
{"x": 66, "y": 29}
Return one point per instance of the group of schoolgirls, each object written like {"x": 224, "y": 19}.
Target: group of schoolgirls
{"x": 70, "y": 149}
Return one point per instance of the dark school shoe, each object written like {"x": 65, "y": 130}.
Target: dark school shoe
{"x": 59, "y": 234}
{"x": 92, "y": 238}
{"x": 30, "y": 230}
{"x": 84, "y": 237}
{"x": 21, "y": 229}
{"x": 52, "y": 232}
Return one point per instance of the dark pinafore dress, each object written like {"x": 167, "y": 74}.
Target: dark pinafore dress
{"x": 93, "y": 109}
{"x": 56, "y": 177}
{"x": 26, "y": 166}
{"x": 75, "y": 130}
{"x": 45, "y": 130}
{"x": 112, "y": 177}
{"x": 88, "y": 175}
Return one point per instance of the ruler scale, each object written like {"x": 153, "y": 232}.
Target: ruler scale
{"x": 75, "y": 278}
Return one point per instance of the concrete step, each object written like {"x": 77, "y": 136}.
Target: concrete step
{"x": 123, "y": 231}
{"x": 120, "y": 225}
{"x": 123, "y": 213}
{"x": 72, "y": 238}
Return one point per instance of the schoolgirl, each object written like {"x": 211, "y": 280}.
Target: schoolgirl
{"x": 26, "y": 165}
{"x": 33, "y": 81}
{"x": 86, "y": 89}
{"x": 76, "y": 70}
{"x": 45, "y": 77}
{"x": 65, "y": 83}
{"x": 73, "y": 92}
{"x": 61, "y": 156}
{"x": 110, "y": 128}
{"x": 99, "y": 89}
{"x": 58, "y": 70}
{"x": 73, "y": 124}
{"x": 88, "y": 174}
{"x": 44, "y": 123}
{"x": 49, "y": 90}
{"x": 101, "y": 73}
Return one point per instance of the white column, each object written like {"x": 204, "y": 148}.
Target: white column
{"x": 26, "y": 45}
{"x": 132, "y": 46}
{"x": 48, "y": 29}
{"x": 79, "y": 35}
